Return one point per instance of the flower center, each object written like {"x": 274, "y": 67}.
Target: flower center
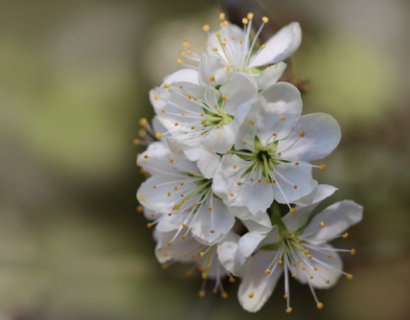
{"x": 217, "y": 118}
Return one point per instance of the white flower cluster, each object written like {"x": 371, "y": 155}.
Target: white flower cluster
{"x": 231, "y": 144}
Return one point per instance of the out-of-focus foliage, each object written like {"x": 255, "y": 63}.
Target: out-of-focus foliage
{"x": 74, "y": 80}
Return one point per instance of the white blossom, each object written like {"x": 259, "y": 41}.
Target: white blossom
{"x": 205, "y": 258}
{"x": 272, "y": 152}
{"x": 234, "y": 49}
{"x": 181, "y": 197}
{"x": 300, "y": 250}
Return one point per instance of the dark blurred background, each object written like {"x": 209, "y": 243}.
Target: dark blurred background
{"x": 74, "y": 80}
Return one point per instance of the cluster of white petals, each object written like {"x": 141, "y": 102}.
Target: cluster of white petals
{"x": 227, "y": 145}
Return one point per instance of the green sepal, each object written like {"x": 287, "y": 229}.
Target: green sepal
{"x": 276, "y": 219}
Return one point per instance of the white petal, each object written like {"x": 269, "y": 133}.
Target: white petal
{"x": 321, "y": 137}
{"x": 184, "y": 75}
{"x": 259, "y": 223}
{"x": 279, "y": 111}
{"x": 257, "y": 282}
{"x": 207, "y": 162}
{"x": 226, "y": 250}
{"x": 220, "y": 139}
{"x": 218, "y": 219}
{"x": 212, "y": 67}
{"x": 255, "y": 196}
{"x": 270, "y": 75}
{"x": 249, "y": 242}
{"x": 337, "y": 218}
{"x": 306, "y": 205}
{"x": 327, "y": 268}
{"x": 288, "y": 176}
{"x": 279, "y": 47}
{"x": 240, "y": 88}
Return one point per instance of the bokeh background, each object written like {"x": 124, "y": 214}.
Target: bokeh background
{"x": 74, "y": 81}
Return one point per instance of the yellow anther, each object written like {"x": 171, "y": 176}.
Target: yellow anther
{"x": 201, "y": 294}
{"x": 302, "y": 134}
{"x": 322, "y": 224}
{"x": 323, "y": 167}
{"x": 176, "y": 188}
{"x": 203, "y": 122}
{"x": 293, "y": 275}
{"x": 179, "y": 61}
{"x": 142, "y": 133}
{"x": 245, "y": 21}
{"x": 240, "y": 41}
{"x": 183, "y": 237}
{"x": 293, "y": 235}
{"x": 303, "y": 268}
{"x": 165, "y": 266}
{"x": 250, "y": 295}
{"x": 239, "y": 183}
{"x": 311, "y": 277}
{"x": 310, "y": 256}
{"x": 209, "y": 208}
{"x": 189, "y": 52}
{"x": 185, "y": 43}
{"x": 274, "y": 134}
{"x": 158, "y": 135}
{"x": 353, "y": 252}
{"x": 250, "y": 15}
{"x": 251, "y": 123}
{"x": 196, "y": 205}
{"x": 176, "y": 124}
{"x": 171, "y": 160}
{"x": 279, "y": 154}
{"x": 327, "y": 281}
{"x": 206, "y": 41}
{"x": 143, "y": 122}
{"x": 192, "y": 128}
{"x": 182, "y": 195}
{"x": 349, "y": 277}
{"x": 206, "y": 27}
{"x": 212, "y": 78}
{"x": 163, "y": 110}
{"x": 329, "y": 256}
{"x": 202, "y": 254}
{"x": 292, "y": 210}
{"x": 288, "y": 310}
{"x": 156, "y": 96}
{"x": 149, "y": 225}
{"x": 202, "y": 133}
{"x": 181, "y": 86}
{"x": 265, "y": 19}
{"x": 185, "y": 254}
{"x": 243, "y": 142}
{"x": 222, "y": 16}
{"x": 224, "y": 295}
{"x": 136, "y": 141}
{"x": 315, "y": 268}
{"x": 202, "y": 114}
{"x": 140, "y": 209}
{"x": 215, "y": 49}
{"x": 232, "y": 280}
{"x": 285, "y": 296}
{"x": 280, "y": 262}
{"x": 296, "y": 163}
{"x": 223, "y": 97}
{"x": 345, "y": 235}
{"x": 159, "y": 249}
{"x": 258, "y": 180}
{"x": 268, "y": 271}
{"x": 267, "y": 180}
{"x": 182, "y": 183}
{"x": 182, "y": 53}
{"x": 142, "y": 198}
{"x": 320, "y": 305}
{"x": 168, "y": 194}
{"x": 231, "y": 194}
{"x": 263, "y": 46}
{"x": 234, "y": 166}
{"x": 192, "y": 255}
{"x": 227, "y": 68}
{"x": 233, "y": 38}
{"x": 138, "y": 163}
{"x": 282, "y": 117}
{"x": 295, "y": 187}
{"x": 306, "y": 252}
{"x": 169, "y": 214}
{"x": 169, "y": 243}
{"x": 154, "y": 186}
{"x": 166, "y": 86}
{"x": 183, "y": 114}
{"x": 212, "y": 231}
{"x": 184, "y": 225}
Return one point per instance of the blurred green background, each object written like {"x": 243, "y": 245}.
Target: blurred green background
{"x": 74, "y": 80}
